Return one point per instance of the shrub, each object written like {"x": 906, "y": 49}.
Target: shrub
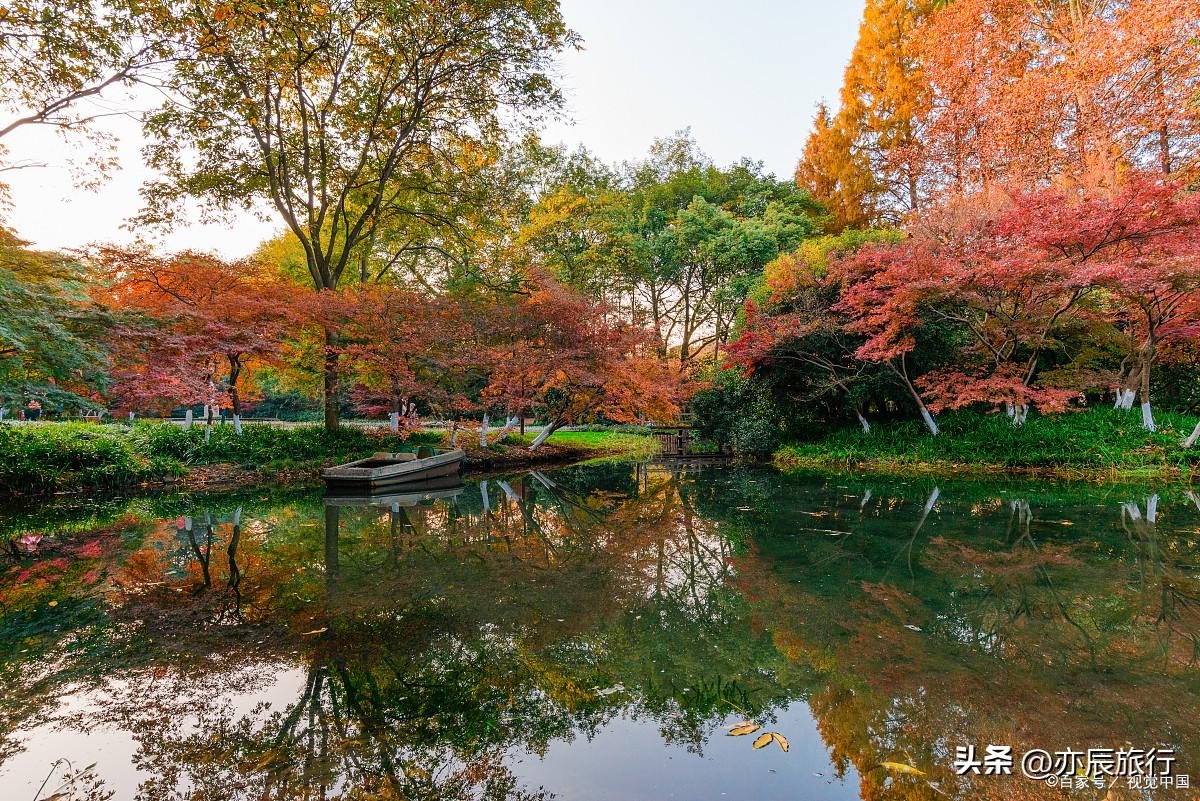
{"x": 755, "y": 435}
{"x": 71, "y": 455}
{"x": 261, "y": 444}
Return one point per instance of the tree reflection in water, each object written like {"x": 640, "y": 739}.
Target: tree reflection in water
{"x": 300, "y": 647}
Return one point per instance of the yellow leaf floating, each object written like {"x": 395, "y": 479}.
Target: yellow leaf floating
{"x": 749, "y": 727}
{"x": 900, "y": 767}
{"x": 53, "y": 603}
{"x": 779, "y": 738}
{"x": 763, "y": 740}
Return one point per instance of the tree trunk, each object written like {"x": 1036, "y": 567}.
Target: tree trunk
{"x": 930, "y": 423}
{"x": 235, "y": 399}
{"x": 208, "y": 411}
{"x": 1147, "y": 412}
{"x": 509, "y": 425}
{"x": 862, "y": 421}
{"x": 1127, "y": 391}
{"x": 331, "y": 381}
{"x": 544, "y": 435}
{"x": 1195, "y": 435}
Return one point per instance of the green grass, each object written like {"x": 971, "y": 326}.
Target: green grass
{"x": 627, "y": 445}
{"x": 1099, "y": 442}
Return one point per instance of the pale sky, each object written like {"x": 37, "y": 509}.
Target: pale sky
{"x": 745, "y": 77}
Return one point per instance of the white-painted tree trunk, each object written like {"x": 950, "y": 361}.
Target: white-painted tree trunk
{"x": 207, "y": 431}
{"x": 1009, "y": 409}
{"x": 862, "y": 421}
{"x": 930, "y": 423}
{"x": 187, "y": 420}
{"x": 509, "y": 425}
{"x": 483, "y": 432}
{"x": 542, "y": 436}
{"x": 394, "y": 422}
{"x": 237, "y": 424}
{"x": 1152, "y": 509}
{"x": 866, "y": 498}
{"x": 1195, "y": 435}
{"x": 1020, "y": 413}
{"x": 483, "y": 493}
{"x": 3, "y": 411}
{"x": 1148, "y": 417}
{"x": 1127, "y": 398}
{"x": 453, "y": 435}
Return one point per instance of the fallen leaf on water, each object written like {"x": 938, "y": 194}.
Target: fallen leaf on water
{"x": 763, "y": 740}
{"x": 53, "y": 603}
{"x": 779, "y": 738}
{"x": 315, "y": 631}
{"x": 749, "y": 727}
{"x": 900, "y": 767}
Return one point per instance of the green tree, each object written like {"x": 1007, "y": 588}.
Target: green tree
{"x": 341, "y": 117}
{"x": 49, "y": 330}
{"x": 57, "y": 57}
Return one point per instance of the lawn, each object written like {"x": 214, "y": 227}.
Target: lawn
{"x": 1096, "y": 442}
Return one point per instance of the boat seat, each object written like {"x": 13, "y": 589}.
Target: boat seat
{"x": 395, "y": 457}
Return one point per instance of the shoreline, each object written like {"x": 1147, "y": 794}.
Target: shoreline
{"x": 791, "y": 464}
{"x": 230, "y": 476}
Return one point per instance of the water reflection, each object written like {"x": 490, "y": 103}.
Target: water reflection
{"x": 591, "y": 633}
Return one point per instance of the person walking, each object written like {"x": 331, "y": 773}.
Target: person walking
{"x": 35, "y": 410}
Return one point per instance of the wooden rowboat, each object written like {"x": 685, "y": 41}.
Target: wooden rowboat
{"x": 394, "y": 469}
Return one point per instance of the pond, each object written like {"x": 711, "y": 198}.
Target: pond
{"x": 593, "y": 633}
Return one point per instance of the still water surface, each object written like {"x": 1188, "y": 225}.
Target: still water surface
{"x": 592, "y": 633}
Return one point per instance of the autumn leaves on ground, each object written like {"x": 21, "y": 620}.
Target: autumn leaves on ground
{"x": 997, "y": 226}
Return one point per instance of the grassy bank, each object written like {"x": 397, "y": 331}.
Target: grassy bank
{"x": 56, "y": 457}
{"x": 1098, "y": 443}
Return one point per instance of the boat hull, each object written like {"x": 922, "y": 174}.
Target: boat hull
{"x": 351, "y": 477}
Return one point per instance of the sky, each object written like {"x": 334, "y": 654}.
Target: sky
{"x": 745, "y": 77}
